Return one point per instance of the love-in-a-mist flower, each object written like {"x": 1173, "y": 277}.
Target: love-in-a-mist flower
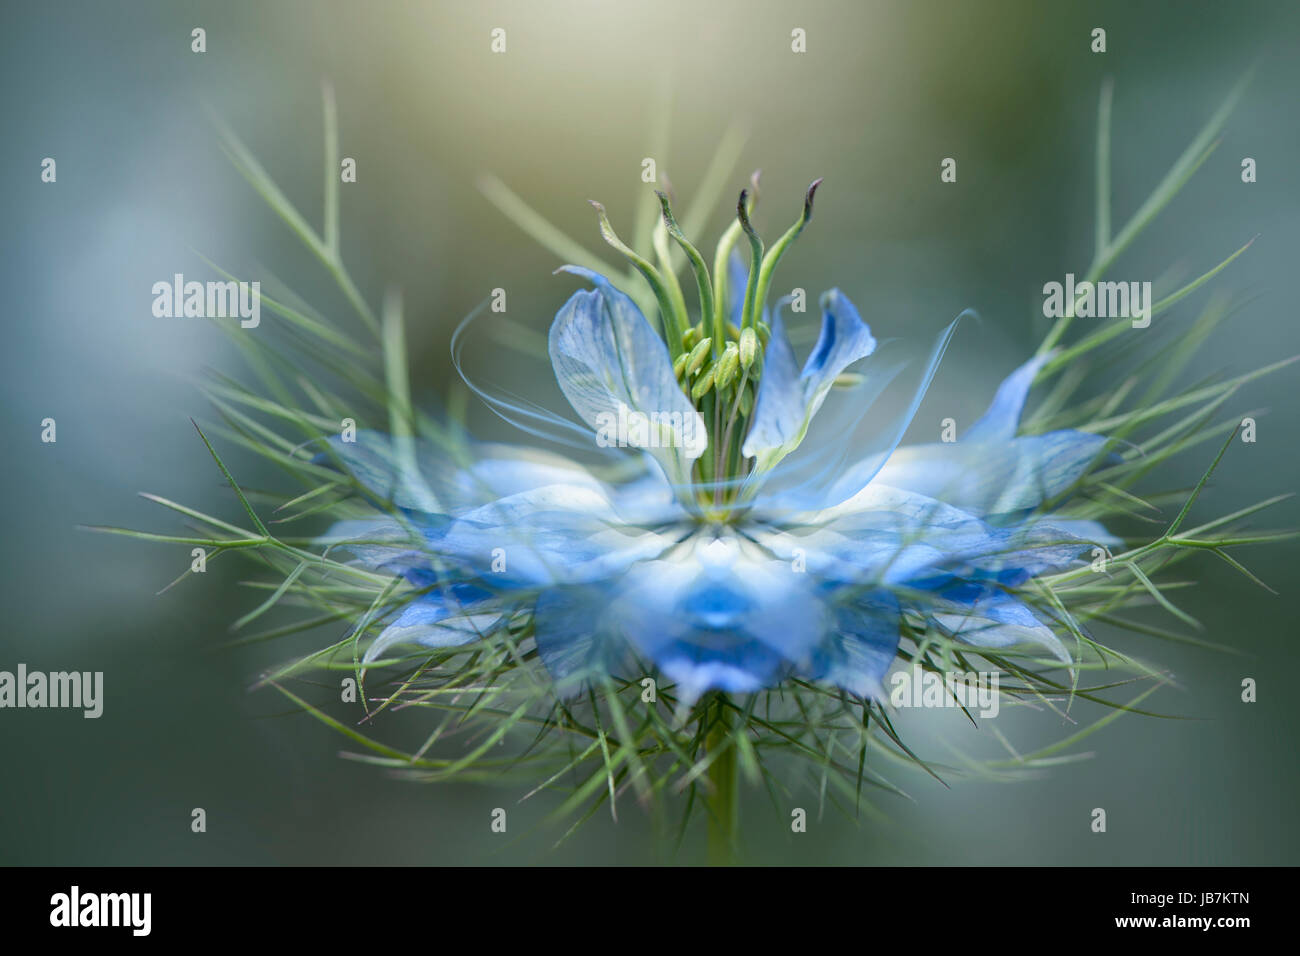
{"x": 711, "y": 544}
{"x": 707, "y": 566}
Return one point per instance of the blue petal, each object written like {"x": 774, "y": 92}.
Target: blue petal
{"x": 1026, "y": 551}
{"x": 551, "y": 535}
{"x": 786, "y": 404}
{"x": 557, "y": 534}
{"x": 383, "y": 544}
{"x": 995, "y": 478}
{"x": 983, "y": 617}
{"x": 608, "y": 360}
{"x": 901, "y": 539}
{"x": 707, "y": 624}
{"x": 990, "y": 471}
{"x": 830, "y": 480}
{"x": 779, "y": 410}
{"x": 861, "y": 648}
{"x": 499, "y": 471}
{"x": 389, "y": 468}
{"x": 571, "y": 639}
{"x": 458, "y": 615}
{"x": 1002, "y": 419}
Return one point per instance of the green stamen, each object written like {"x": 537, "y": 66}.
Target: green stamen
{"x": 746, "y": 401}
{"x": 703, "y": 383}
{"x": 697, "y": 356}
{"x": 748, "y": 347}
{"x": 679, "y": 365}
{"x": 727, "y": 367}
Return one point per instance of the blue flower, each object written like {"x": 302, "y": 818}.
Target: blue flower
{"x": 724, "y": 551}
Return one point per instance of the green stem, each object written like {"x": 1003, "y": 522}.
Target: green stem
{"x": 724, "y": 803}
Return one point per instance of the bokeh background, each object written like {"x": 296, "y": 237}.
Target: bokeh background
{"x": 885, "y": 91}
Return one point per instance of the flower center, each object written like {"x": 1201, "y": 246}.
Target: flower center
{"x": 718, "y": 350}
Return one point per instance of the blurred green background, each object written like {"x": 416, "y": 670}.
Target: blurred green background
{"x": 885, "y": 91}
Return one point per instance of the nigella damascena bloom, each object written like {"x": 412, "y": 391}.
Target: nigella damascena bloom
{"x": 714, "y": 544}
